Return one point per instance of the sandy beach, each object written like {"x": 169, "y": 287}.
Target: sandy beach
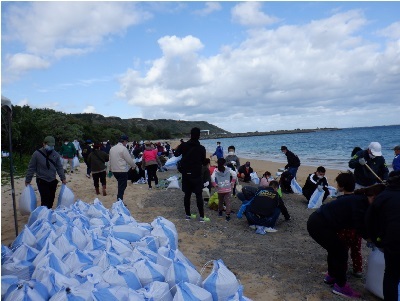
{"x": 286, "y": 265}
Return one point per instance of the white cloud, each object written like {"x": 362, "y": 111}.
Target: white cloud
{"x": 20, "y": 63}
{"x": 317, "y": 72}
{"x": 89, "y": 109}
{"x": 23, "y": 102}
{"x": 392, "y": 31}
{"x": 250, "y": 14}
{"x": 209, "y": 9}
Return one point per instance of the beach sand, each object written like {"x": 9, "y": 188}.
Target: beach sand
{"x": 286, "y": 265}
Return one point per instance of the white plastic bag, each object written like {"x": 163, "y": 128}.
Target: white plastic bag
{"x": 296, "y": 187}
{"x": 375, "y": 272}
{"x": 206, "y": 193}
{"x": 173, "y": 184}
{"x": 171, "y": 162}
{"x": 66, "y": 197}
{"x": 27, "y": 201}
{"x": 254, "y": 178}
{"x": 75, "y": 162}
{"x": 332, "y": 191}
{"x": 316, "y": 199}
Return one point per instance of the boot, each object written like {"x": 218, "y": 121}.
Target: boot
{"x": 104, "y": 190}
{"x": 97, "y": 190}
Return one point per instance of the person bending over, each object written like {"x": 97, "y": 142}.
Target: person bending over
{"x": 316, "y": 180}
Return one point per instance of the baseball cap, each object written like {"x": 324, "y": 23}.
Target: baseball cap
{"x": 50, "y": 141}
{"x": 124, "y": 138}
{"x": 375, "y": 148}
{"x": 397, "y": 147}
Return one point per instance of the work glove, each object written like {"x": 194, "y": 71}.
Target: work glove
{"x": 320, "y": 188}
{"x": 206, "y": 184}
{"x": 362, "y": 161}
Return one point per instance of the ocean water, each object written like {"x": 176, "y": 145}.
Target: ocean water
{"x": 331, "y": 149}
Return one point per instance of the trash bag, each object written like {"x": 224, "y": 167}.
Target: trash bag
{"x": 173, "y": 184}
{"x": 254, "y": 178}
{"x": 171, "y": 163}
{"x": 66, "y": 197}
{"x": 296, "y": 187}
{"x": 375, "y": 272}
{"x": 75, "y": 163}
{"x": 213, "y": 201}
{"x": 316, "y": 199}
{"x": 27, "y": 201}
{"x": 332, "y": 191}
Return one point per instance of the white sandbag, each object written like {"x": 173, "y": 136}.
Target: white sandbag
{"x": 116, "y": 293}
{"x": 24, "y": 237}
{"x": 52, "y": 261}
{"x": 53, "y": 280}
{"x": 64, "y": 245}
{"x": 254, "y": 178}
{"x": 221, "y": 282}
{"x": 48, "y": 248}
{"x": 239, "y": 295}
{"x": 181, "y": 272}
{"x": 99, "y": 206}
{"x": 173, "y": 185}
{"x": 190, "y": 292}
{"x": 75, "y": 162}
{"x": 166, "y": 232}
{"x": 332, "y": 191}
{"x": 5, "y": 253}
{"x": 22, "y": 269}
{"x": 145, "y": 253}
{"x": 122, "y": 219}
{"x": 77, "y": 259}
{"x": 375, "y": 272}
{"x": 171, "y": 162}
{"x": 149, "y": 241}
{"x": 165, "y": 257}
{"x": 129, "y": 232}
{"x": 106, "y": 259}
{"x": 149, "y": 272}
{"x": 296, "y": 187}
{"x": 116, "y": 246}
{"x": 127, "y": 277}
{"x": 119, "y": 208}
{"x": 156, "y": 291}
{"x": 27, "y": 291}
{"x": 25, "y": 252}
{"x": 8, "y": 280}
{"x": 91, "y": 273}
{"x": 95, "y": 242}
{"x": 27, "y": 201}
{"x": 316, "y": 199}
{"x": 80, "y": 292}
{"x": 41, "y": 212}
{"x": 66, "y": 197}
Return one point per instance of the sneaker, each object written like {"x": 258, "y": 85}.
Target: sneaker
{"x": 219, "y": 213}
{"x": 253, "y": 227}
{"x": 357, "y": 274}
{"x": 192, "y": 216}
{"x": 270, "y": 230}
{"x": 345, "y": 291}
{"x": 329, "y": 280}
{"x": 204, "y": 219}
{"x": 260, "y": 230}
{"x": 228, "y": 218}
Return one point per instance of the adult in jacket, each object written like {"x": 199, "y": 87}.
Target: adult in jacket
{"x": 315, "y": 181}
{"x": 375, "y": 161}
{"x": 293, "y": 161}
{"x": 245, "y": 171}
{"x": 97, "y": 161}
{"x": 193, "y": 156}
{"x": 383, "y": 227}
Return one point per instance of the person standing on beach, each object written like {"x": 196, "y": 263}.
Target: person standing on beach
{"x": 150, "y": 162}
{"x": 233, "y": 162}
{"x": 293, "y": 161}
{"x": 219, "y": 151}
{"x": 193, "y": 156}
{"x": 396, "y": 160}
{"x": 46, "y": 162}
{"x": 97, "y": 161}
{"x": 368, "y": 164}
{"x": 68, "y": 153}
{"x": 87, "y": 149}
{"x": 120, "y": 160}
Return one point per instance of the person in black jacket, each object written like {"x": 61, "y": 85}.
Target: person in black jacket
{"x": 375, "y": 161}
{"x": 293, "y": 161}
{"x": 383, "y": 227}
{"x": 193, "y": 156}
{"x": 314, "y": 181}
{"x": 346, "y": 212}
{"x": 245, "y": 171}
{"x": 97, "y": 162}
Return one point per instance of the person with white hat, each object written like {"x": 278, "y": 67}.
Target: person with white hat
{"x": 369, "y": 166}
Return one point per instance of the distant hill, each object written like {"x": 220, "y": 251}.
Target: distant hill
{"x": 177, "y": 128}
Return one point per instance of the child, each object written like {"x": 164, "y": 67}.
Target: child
{"x": 233, "y": 162}
{"x": 266, "y": 179}
{"x": 226, "y": 178}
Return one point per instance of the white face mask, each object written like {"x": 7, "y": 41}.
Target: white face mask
{"x": 231, "y": 153}
{"x": 65, "y": 143}
{"x": 371, "y": 156}
{"x": 49, "y": 148}
{"x": 320, "y": 177}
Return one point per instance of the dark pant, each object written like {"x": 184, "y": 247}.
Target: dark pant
{"x": 99, "y": 176}
{"x": 193, "y": 185}
{"x": 268, "y": 221}
{"x": 293, "y": 171}
{"x": 122, "y": 179}
{"x": 47, "y": 191}
{"x": 152, "y": 174}
{"x": 392, "y": 275}
{"x": 328, "y": 238}
{"x": 88, "y": 169}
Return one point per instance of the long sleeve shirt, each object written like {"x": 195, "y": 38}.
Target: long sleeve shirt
{"x": 120, "y": 159}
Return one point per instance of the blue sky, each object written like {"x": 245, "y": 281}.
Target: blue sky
{"x": 242, "y": 66}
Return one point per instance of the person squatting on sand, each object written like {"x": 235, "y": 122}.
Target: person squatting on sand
{"x": 324, "y": 224}
{"x": 193, "y": 156}
{"x": 97, "y": 161}
{"x": 224, "y": 179}
{"x": 368, "y": 164}
{"x": 293, "y": 161}
{"x": 244, "y": 172}
{"x": 383, "y": 227}
{"x": 263, "y": 205}
{"x": 120, "y": 160}
{"x": 46, "y": 162}
{"x": 266, "y": 179}
{"x": 316, "y": 180}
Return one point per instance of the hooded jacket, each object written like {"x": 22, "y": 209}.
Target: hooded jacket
{"x": 193, "y": 156}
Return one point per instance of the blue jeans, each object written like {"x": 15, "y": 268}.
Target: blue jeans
{"x": 122, "y": 179}
{"x": 293, "y": 171}
{"x": 270, "y": 221}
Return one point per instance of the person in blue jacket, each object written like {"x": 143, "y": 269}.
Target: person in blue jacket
{"x": 396, "y": 160}
{"x": 219, "y": 151}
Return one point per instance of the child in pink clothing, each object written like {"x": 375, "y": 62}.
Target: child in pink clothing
{"x": 266, "y": 179}
{"x": 223, "y": 178}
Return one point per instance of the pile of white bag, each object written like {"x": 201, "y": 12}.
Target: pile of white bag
{"x": 87, "y": 252}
